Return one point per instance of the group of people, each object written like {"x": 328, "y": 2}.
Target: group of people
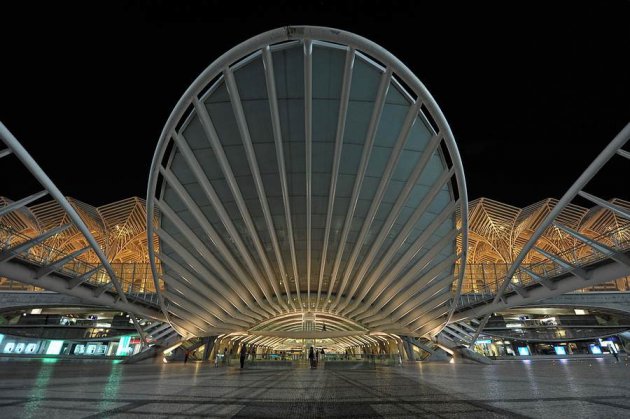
{"x": 244, "y": 354}
{"x": 313, "y": 356}
{"x": 224, "y": 358}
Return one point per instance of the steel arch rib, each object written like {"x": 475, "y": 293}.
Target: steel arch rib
{"x": 277, "y": 135}
{"x": 402, "y": 237}
{"x": 341, "y": 125}
{"x": 214, "y": 199}
{"x": 356, "y": 189}
{"x": 391, "y": 218}
{"x": 212, "y": 136}
{"x": 260, "y": 189}
{"x": 308, "y": 135}
{"x": 194, "y": 241}
{"x": 210, "y": 232}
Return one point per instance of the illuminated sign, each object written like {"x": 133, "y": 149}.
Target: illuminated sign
{"x": 123, "y": 346}
{"x": 54, "y": 347}
{"x": 595, "y": 350}
{"x": 523, "y": 350}
{"x": 560, "y": 350}
{"x": 481, "y": 341}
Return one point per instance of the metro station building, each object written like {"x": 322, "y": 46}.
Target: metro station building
{"x": 307, "y": 191}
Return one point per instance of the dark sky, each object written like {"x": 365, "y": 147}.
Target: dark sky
{"x": 533, "y": 91}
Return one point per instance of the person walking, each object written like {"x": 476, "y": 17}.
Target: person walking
{"x": 216, "y": 360}
{"x": 311, "y": 357}
{"x": 186, "y": 354}
{"x": 243, "y": 355}
{"x": 225, "y": 357}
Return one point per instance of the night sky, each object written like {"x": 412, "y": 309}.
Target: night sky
{"x": 532, "y": 91}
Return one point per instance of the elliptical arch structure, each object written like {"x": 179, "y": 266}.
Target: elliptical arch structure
{"x": 308, "y": 170}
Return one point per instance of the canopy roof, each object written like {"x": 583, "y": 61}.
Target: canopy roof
{"x": 307, "y": 170}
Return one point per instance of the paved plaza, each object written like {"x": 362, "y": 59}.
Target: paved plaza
{"x": 70, "y": 389}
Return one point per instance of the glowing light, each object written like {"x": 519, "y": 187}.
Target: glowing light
{"x": 123, "y": 346}
{"x": 560, "y": 350}
{"x": 54, "y": 348}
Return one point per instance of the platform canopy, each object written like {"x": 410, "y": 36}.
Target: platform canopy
{"x": 307, "y": 181}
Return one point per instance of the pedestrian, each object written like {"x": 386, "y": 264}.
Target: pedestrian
{"x": 323, "y": 355}
{"x": 225, "y": 356}
{"x": 186, "y": 353}
{"x": 316, "y": 357}
{"x": 311, "y": 357}
{"x": 243, "y": 355}
{"x": 216, "y": 360}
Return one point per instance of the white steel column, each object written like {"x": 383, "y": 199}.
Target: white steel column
{"x": 308, "y": 135}
{"x": 282, "y": 172}
{"x": 341, "y": 125}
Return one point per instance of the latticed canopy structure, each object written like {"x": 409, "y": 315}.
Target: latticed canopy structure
{"x": 498, "y": 232}
{"x": 119, "y": 228}
{"x": 307, "y": 170}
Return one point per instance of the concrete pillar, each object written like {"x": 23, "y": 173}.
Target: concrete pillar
{"x": 209, "y": 342}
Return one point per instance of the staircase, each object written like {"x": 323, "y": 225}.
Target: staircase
{"x": 159, "y": 337}
{"x": 461, "y": 333}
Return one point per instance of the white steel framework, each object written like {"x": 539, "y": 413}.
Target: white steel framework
{"x": 526, "y": 285}
{"x": 308, "y": 170}
{"x": 107, "y": 277}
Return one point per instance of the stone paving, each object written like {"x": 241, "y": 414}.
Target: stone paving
{"x": 71, "y": 389}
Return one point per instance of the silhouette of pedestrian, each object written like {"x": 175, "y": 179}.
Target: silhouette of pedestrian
{"x": 186, "y": 353}
{"x": 243, "y": 355}
{"x": 311, "y": 357}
